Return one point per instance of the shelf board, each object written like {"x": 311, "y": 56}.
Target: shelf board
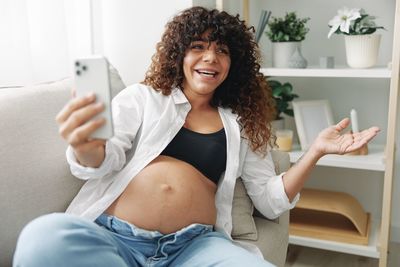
{"x": 375, "y": 160}
{"x": 340, "y": 71}
{"x": 371, "y": 250}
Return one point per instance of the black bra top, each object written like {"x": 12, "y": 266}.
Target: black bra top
{"x": 206, "y": 152}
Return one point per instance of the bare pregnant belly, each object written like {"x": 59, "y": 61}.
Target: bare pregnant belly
{"x": 167, "y": 195}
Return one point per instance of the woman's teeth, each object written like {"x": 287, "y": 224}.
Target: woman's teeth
{"x": 207, "y": 73}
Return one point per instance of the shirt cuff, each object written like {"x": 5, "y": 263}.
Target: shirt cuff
{"x": 87, "y": 173}
{"x": 279, "y": 199}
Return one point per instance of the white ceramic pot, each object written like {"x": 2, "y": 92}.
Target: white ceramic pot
{"x": 282, "y": 52}
{"x": 362, "y": 50}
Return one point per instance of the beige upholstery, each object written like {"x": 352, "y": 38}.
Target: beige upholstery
{"x": 272, "y": 236}
{"x": 34, "y": 175}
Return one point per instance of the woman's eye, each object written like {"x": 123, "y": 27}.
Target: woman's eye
{"x": 223, "y": 51}
{"x": 196, "y": 46}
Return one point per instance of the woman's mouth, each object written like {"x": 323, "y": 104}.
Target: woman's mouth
{"x": 207, "y": 73}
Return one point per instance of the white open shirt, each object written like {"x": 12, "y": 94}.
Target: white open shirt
{"x": 145, "y": 122}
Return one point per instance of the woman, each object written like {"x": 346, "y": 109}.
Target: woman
{"x": 160, "y": 191}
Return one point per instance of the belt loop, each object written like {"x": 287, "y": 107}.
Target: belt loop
{"x": 109, "y": 221}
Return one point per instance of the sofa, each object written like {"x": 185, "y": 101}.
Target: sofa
{"x": 35, "y": 177}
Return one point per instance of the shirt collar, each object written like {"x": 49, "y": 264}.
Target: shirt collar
{"x": 178, "y": 96}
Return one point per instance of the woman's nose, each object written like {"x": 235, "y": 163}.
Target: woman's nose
{"x": 210, "y": 55}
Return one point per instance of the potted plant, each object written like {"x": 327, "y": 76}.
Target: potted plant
{"x": 362, "y": 45}
{"x": 286, "y": 34}
{"x": 283, "y": 95}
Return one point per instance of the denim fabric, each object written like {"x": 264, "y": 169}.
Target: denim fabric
{"x": 65, "y": 240}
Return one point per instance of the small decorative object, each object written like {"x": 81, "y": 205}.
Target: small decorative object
{"x": 330, "y": 215}
{"x": 327, "y": 62}
{"x": 286, "y": 34}
{"x": 311, "y": 117}
{"x": 362, "y": 45}
{"x": 264, "y": 18}
{"x": 354, "y": 127}
{"x": 354, "y": 121}
{"x": 284, "y": 139}
{"x": 297, "y": 60}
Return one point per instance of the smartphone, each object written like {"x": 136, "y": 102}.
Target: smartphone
{"x": 91, "y": 74}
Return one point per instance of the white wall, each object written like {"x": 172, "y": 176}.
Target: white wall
{"x": 130, "y": 31}
{"x": 40, "y": 39}
{"x": 368, "y": 96}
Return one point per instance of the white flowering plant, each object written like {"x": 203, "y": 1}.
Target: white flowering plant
{"x": 354, "y": 21}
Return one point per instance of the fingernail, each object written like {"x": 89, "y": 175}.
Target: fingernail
{"x": 99, "y": 105}
{"x": 90, "y": 96}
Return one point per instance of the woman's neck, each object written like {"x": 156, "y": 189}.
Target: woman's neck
{"x": 199, "y": 102}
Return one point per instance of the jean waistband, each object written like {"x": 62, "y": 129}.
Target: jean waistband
{"x": 122, "y": 227}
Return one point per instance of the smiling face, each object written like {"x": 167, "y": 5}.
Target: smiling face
{"x": 205, "y": 66}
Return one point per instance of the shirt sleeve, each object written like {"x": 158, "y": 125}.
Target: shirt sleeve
{"x": 264, "y": 186}
{"x": 127, "y": 113}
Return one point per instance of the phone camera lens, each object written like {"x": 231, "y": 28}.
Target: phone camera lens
{"x": 84, "y": 67}
{"x": 78, "y": 72}
{"x": 77, "y": 63}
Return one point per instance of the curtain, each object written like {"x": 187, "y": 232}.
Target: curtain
{"x": 39, "y": 39}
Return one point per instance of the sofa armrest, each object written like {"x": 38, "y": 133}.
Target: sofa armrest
{"x": 35, "y": 177}
{"x": 34, "y": 174}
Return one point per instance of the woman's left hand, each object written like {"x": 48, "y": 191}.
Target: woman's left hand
{"x": 332, "y": 141}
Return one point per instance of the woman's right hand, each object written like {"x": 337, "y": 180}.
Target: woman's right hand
{"x": 76, "y": 126}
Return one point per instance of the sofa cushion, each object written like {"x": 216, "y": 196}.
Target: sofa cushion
{"x": 116, "y": 81}
{"x": 242, "y": 214}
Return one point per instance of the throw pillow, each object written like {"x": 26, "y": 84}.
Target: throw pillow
{"x": 115, "y": 80}
{"x": 244, "y": 226}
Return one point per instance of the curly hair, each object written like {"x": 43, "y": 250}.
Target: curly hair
{"x": 244, "y": 91}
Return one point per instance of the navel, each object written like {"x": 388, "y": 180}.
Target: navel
{"x": 166, "y": 187}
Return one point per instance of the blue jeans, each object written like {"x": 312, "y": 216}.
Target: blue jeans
{"x": 65, "y": 240}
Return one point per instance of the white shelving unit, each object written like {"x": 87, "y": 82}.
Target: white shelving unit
{"x": 374, "y": 161}
{"x": 380, "y": 158}
{"x": 344, "y": 72}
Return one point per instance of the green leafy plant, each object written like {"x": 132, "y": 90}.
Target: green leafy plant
{"x": 283, "y": 95}
{"x": 287, "y": 29}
